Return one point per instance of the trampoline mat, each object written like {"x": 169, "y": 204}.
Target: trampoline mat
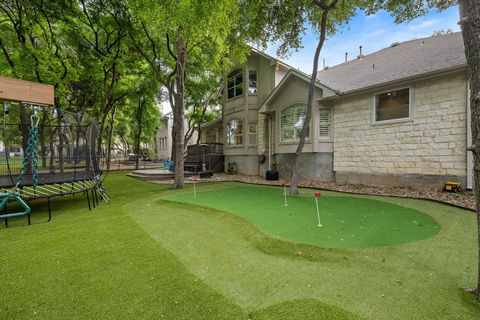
{"x": 48, "y": 178}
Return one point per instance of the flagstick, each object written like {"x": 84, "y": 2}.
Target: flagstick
{"x": 285, "y": 194}
{"x": 318, "y": 212}
{"x": 194, "y": 189}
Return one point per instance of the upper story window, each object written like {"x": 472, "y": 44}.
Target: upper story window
{"x": 291, "y": 123}
{"x": 252, "y": 81}
{"x": 235, "y": 132}
{"x": 392, "y": 105}
{"x": 235, "y": 84}
{"x": 325, "y": 124}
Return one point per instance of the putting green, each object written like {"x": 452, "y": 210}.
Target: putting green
{"x": 347, "y": 221}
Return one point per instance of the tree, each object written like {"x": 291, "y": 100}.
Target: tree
{"x": 326, "y": 8}
{"x": 470, "y": 24}
{"x": 182, "y": 46}
{"x": 286, "y": 23}
{"x": 202, "y": 102}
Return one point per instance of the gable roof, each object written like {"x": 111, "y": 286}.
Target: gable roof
{"x": 303, "y": 76}
{"x": 401, "y": 61}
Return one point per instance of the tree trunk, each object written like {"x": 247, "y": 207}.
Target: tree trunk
{"x": 470, "y": 24}
{"x": 110, "y": 136}
{"x": 178, "y": 114}
{"x": 139, "y": 132}
{"x": 311, "y": 92}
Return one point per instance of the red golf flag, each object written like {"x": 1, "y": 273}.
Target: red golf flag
{"x": 318, "y": 194}
{"x": 282, "y": 184}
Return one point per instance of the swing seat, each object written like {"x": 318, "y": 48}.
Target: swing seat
{"x": 5, "y": 198}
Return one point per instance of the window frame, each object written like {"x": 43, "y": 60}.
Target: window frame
{"x": 256, "y": 82}
{"x": 295, "y": 139}
{"x": 411, "y": 105}
{"x": 253, "y": 124}
{"x": 233, "y": 75}
{"x": 242, "y": 134}
{"x": 330, "y": 125}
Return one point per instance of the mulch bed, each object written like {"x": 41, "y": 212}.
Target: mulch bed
{"x": 464, "y": 199}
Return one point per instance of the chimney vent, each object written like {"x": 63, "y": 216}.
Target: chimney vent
{"x": 361, "y": 54}
{"x": 346, "y": 56}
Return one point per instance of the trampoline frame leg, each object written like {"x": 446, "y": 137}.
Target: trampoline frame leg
{"x": 93, "y": 198}
{"x": 5, "y": 211}
{"x": 96, "y": 195}
{"x": 49, "y": 210}
{"x": 88, "y": 200}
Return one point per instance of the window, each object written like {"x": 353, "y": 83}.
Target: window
{"x": 291, "y": 123}
{"x": 235, "y": 84}
{"x": 252, "y": 81}
{"x": 392, "y": 105}
{"x": 252, "y": 133}
{"x": 325, "y": 124}
{"x": 235, "y": 132}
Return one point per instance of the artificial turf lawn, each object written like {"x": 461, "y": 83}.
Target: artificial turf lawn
{"x": 143, "y": 257}
{"x": 346, "y": 221}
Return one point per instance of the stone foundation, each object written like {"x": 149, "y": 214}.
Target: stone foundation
{"x": 403, "y": 180}
{"x": 247, "y": 165}
{"x": 317, "y": 166}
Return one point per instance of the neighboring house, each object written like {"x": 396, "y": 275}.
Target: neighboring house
{"x": 398, "y": 116}
{"x": 164, "y": 137}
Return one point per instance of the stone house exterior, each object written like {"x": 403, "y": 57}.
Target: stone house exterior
{"x": 398, "y": 116}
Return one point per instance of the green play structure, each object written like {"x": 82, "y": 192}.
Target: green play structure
{"x": 5, "y": 198}
{"x": 30, "y": 160}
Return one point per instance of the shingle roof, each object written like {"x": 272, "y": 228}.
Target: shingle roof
{"x": 402, "y": 61}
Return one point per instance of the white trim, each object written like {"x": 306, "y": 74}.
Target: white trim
{"x": 326, "y": 91}
{"x": 411, "y": 104}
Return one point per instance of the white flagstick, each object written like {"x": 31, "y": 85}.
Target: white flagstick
{"x": 317, "y": 195}
{"x": 285, "y": 194}
{"x": 194, "y": 189}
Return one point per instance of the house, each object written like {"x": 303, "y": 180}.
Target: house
{"x": 212, "y": 131}
{"x": 398, "y": 116}
{"x": 163, "y": 137}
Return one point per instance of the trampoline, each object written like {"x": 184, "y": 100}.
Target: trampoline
{"x": 45, "y": 151}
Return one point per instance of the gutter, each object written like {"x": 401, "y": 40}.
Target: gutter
{"x": 427, "y": 75}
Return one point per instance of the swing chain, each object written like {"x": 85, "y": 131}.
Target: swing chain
{"x": 31, "y": 154}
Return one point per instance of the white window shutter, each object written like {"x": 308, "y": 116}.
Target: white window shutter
{"x": 324, "y": 123}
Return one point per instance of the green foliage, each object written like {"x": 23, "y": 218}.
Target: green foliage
{"x": 407, "y": 10}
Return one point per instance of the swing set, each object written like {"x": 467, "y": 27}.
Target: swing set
{"x": 45, "y": 152}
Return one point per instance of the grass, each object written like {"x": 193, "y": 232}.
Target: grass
{"x": 147, "y": 257}
{"x": 347, "y": 221}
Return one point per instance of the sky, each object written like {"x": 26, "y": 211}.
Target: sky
{"x": 373, "y": 33}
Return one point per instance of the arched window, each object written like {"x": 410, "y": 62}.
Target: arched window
{"x": 291, "y": 122}
{"x": 235, "y": 132}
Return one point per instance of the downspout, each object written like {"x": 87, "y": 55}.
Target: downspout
{"x": 269, "y": 142}
{"x": 469, "y": 141}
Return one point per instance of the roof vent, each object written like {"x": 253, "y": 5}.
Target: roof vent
{"x": 394, "y": 44}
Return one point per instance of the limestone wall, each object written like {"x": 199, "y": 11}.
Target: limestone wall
{"x": 432, "y": 143}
